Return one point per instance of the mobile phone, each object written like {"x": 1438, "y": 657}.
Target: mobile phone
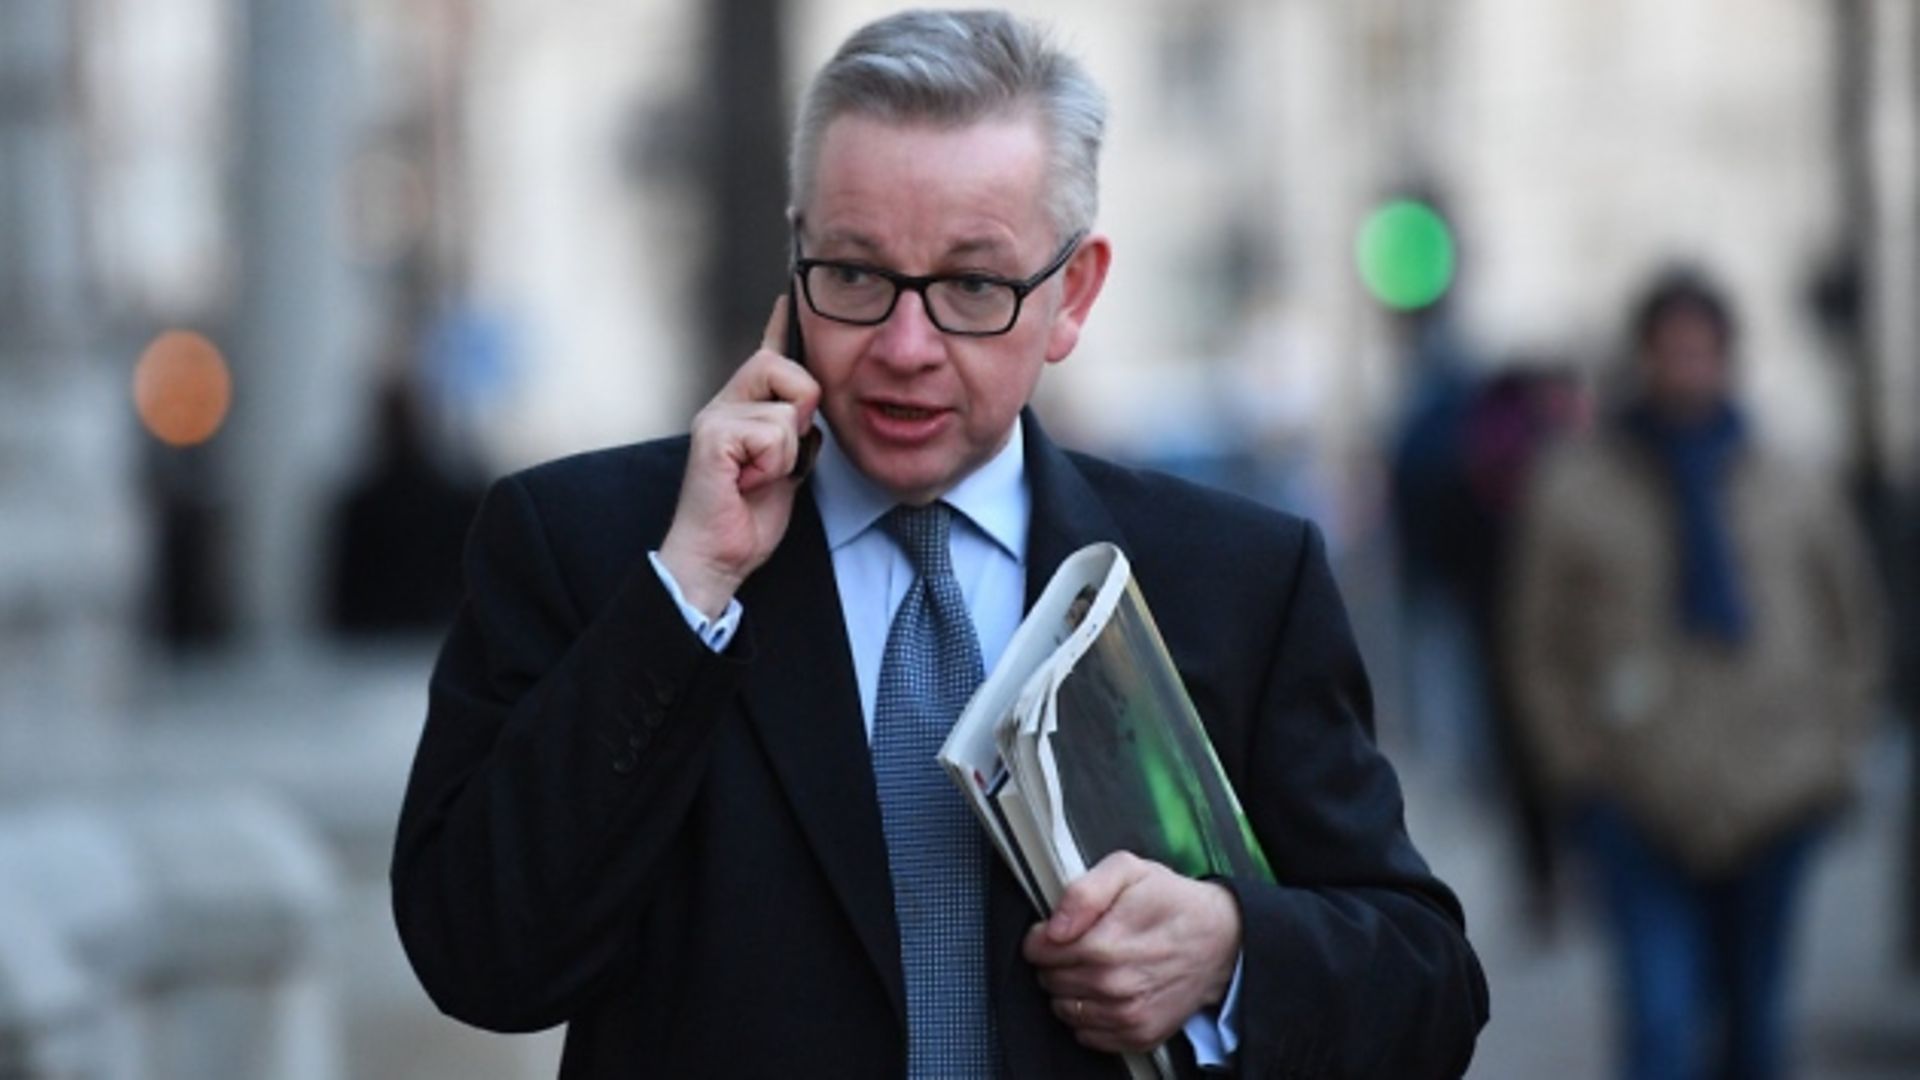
{"x": 796, "y": 346}
{"x": 797, "y": 352}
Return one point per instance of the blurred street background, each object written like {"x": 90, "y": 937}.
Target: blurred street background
{"x": 284, "y": 283}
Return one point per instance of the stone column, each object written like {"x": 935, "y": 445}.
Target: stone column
{"x": 70, "y": 547}
{"x": 296, "y": 315}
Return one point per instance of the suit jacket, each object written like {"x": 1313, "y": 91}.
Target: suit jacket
{"x": 678, "y": 853}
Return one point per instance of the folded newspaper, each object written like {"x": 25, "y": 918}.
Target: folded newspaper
{"x": 1083, "y": 742}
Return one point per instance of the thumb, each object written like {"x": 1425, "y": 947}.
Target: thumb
{"x": 774, "y": 337}
{"x": 1090, "y": 897}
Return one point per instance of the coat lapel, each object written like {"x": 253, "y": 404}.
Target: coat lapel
{"x": 1067, "y": 516}
{"x": 805, "y": 704}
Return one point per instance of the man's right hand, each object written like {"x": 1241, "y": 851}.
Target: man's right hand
{"x": 737, "y": 496}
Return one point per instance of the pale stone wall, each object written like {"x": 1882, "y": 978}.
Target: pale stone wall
{"x": 1592, "y": 144}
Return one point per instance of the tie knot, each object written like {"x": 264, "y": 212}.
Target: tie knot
{"x": 922, "y": 531}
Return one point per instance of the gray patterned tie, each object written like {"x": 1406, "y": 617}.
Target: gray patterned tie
{"x": 935, "y": 851}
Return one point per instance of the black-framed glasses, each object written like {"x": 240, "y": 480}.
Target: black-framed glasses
{"x": 966, "y": 304}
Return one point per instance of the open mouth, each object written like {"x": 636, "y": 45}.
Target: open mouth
{"x": 905, "y": 412}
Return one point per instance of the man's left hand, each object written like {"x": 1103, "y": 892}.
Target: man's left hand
{"x": 1133, "y": 950}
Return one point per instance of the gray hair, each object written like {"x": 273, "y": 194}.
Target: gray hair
{"x": 953, "y": 68}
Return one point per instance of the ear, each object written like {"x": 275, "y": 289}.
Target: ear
{"x": 1081, "y": 280}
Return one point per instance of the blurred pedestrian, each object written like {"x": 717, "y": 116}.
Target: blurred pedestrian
{"x": 1460, "y": 461}
{"x": 1516, "y": 415}
{"x": 1695, "y": 648}
{"x": 1436, "y": 529}
{"x": 395, "y": 531}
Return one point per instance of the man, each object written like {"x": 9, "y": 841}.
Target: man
{"x": 1695, "y": 640}
{"x": 657, "y": 797}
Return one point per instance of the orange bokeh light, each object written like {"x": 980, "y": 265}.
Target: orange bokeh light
{"x": 182, "y": 389}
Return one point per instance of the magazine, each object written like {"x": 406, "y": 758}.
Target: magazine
{"x": 1082, "y": 741}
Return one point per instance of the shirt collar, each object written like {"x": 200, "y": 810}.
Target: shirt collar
{"x": 994, "y": 497}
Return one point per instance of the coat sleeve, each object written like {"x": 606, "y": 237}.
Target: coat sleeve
{"x": 559, "y": 755}
{"x": 1356, "y": 964}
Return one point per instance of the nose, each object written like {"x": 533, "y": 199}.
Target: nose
{"x": 908, "y": 339}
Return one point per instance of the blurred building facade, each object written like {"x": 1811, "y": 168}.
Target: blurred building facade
{"x": 504, "y": 202}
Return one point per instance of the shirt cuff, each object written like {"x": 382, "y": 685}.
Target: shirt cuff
{"x": 1215, "y": 1037}
{"x": 715, "y": 633}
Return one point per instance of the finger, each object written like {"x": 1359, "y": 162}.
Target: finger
{"x": 1099, "y": 1040}
{"x": 796, "y": 418}
{"x": 1092, "y": 894}
{"x": 795, "y": 421}
{"x": 769, "y": 377}
{"x": 758, "y": 438}
{"x": 1110, "y": 983}
{"x": 1091, "y": 1016}
{"x": 723, "y": 421}
{"x": 1113, "y": 1041}
{"x": 1087, "y": 1014}
{"x": 1079, "y": 982}
{"x": 1089, "y": 952}
{"x": 774, "y": 337}
{"x": 1072, "y": 1012}
{"x": 774, "y": 457}
{"x": 1134, "y": 1026}
{"x": 1036, "y": 946}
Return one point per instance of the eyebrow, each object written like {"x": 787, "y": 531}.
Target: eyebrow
{"x": 987, "y": 245}
{"x": 842, "y": 238}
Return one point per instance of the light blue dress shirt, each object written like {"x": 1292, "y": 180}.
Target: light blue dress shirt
{"x": 989, "y": 543}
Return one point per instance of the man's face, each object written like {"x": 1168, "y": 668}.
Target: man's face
{"x": 915, "y": 408}
{"x": 1685, "y": 364}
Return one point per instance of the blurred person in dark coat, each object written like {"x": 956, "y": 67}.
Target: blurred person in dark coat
{"x": 1459, "y": 463}
{"x": 396, "y": 531}
{"x": 1696, "y": 651}
{"x": 395, "y": 534}
{"x": 1515, "y": 417}
{"x": 649, "y": 803}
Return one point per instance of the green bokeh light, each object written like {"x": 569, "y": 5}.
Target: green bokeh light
{"x": 1405, "y": 252}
